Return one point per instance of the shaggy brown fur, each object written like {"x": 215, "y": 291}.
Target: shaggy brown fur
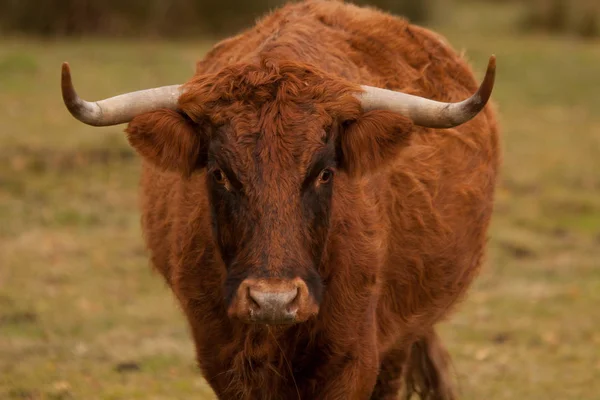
{"x": 389, "y": 245}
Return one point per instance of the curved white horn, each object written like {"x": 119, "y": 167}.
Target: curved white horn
{"x": 119, "y": 109}
{"x": 431, "y": 113}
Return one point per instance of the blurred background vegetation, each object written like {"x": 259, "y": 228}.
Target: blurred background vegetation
{"x": 177, "y": 18}
{"x": 82, "y": 316}
{"x": 155, "y": 17}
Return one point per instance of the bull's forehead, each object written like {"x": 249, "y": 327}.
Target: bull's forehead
{"x": 276, "y": 142}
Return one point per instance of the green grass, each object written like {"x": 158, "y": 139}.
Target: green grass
{"x": 83, "y": 316}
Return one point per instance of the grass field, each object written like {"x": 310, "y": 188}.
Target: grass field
{"x": 82, "y": 316}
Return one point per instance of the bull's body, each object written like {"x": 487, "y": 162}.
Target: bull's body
{"x": 404, "y": 240}
{"x": 404, "y": 244}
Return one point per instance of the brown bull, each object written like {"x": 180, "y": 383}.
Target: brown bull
{"x": 317, "y": 196}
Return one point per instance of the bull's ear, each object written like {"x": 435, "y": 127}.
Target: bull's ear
{"x": 169, "y": 140}
{"x": 372, "y": 141}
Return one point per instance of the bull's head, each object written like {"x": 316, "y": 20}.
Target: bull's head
{"x": 270, "y": 142}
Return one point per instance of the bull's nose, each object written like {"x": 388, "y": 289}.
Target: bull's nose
{"x": 273, "y": 306}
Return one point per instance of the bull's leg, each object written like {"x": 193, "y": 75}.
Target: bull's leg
{"x": 427, "y": 371}
{"x": 390, "y": 379}
{"x": 422, "y": 370}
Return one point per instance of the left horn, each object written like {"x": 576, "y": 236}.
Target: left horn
{"x": 119, "y": 109}
{"x": 430, "y": 113}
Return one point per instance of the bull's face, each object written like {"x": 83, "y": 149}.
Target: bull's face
{"x": 270, "y": 196}
{"x": 272, "y": 141}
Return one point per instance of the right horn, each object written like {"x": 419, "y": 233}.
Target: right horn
{"x": 118, "y": 109}
{"x": 430, "y": 113}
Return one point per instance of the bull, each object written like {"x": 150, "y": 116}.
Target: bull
{"x": 317, "y": 197}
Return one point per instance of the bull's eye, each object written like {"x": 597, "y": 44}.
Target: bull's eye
{"x": 218, "y": 176}
{"x": 325, "y": 176}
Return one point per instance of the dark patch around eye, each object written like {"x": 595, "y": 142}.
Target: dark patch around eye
{"x": 325, "y": 158}
{"x": 217, "y": 160}
{"x": 316, "y": 201}
{"x": 226, "y": 202}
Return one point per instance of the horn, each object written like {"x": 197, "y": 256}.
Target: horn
{"x": 430, "y": 113}
{"x": 119, "y": 109}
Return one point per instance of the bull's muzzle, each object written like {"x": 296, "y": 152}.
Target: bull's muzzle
{"x": 273, "y": 302}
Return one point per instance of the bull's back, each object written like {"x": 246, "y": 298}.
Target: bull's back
{"x": 363, "y": 45}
